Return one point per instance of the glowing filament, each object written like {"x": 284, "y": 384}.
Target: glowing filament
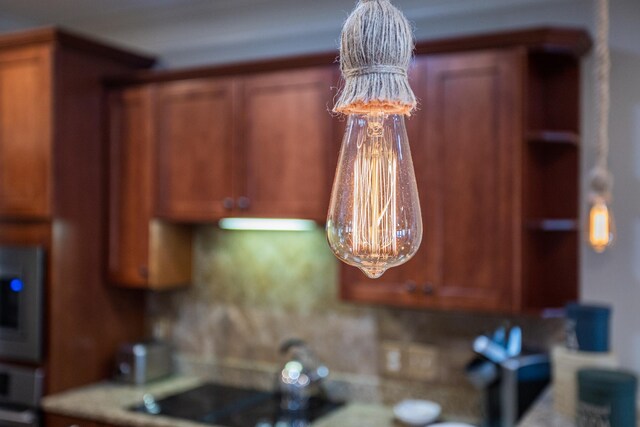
{"x": 374, "y": 220}
{"x": 374, "y": 194}
{"x": 600, "y": 226}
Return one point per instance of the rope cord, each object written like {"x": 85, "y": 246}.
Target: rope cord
{"x": 601, "y": 180}
{"x": 376, "y": 47}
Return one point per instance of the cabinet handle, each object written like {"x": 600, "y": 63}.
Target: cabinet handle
{"x": 428, "y": 289}
{"x": 227, "y": 203}
{"x": 410, "y": 286}
{"x": 143, "y": 271}
{"x": 244, "y": 203}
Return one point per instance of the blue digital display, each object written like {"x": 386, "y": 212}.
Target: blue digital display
{"x": 16, "y": 285}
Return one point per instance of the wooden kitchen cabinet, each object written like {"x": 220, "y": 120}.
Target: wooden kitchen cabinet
{"x": 143, "y": 252}
{"x": 287, "y": 148}
{"x": 259, "y": 145}
{"x": 53, "y": 183}
{"x": 195, "y": 128}
{"x": 495, "y": 143}
{"x": 497, "y": 168}
{"x": 463, "y": 153}
{"x": 25, "y": 132}
{"x": 198, "y": 150}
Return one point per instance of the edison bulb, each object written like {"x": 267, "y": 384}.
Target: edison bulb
{"x": 374, "y": 219}
{"x": 601, "y": 226}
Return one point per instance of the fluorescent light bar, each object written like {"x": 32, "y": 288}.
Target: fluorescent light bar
{"x": 267, "y": 224}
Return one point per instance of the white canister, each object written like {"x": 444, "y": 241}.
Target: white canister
{"x": 565, "y": 365}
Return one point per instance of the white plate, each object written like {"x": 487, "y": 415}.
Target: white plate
{"x": 417, "y": 412}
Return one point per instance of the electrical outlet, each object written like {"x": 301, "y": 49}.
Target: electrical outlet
{"x": 421, "y": 362}
{"x": 391, "y": 358}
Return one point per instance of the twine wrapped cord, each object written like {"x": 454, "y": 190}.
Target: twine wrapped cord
{"x": 375, "y": 52}
{"x": 600, "y": 179}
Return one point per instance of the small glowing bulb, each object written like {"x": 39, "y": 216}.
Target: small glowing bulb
{"x": 601, "y": 227}
{"x": 374, "y": 219}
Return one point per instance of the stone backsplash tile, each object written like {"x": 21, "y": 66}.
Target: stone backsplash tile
{"x": 253, "y": 290}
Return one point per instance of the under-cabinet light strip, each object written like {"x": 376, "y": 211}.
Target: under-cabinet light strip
{"x": 267, "y": 224}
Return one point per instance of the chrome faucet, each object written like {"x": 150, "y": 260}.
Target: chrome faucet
{"x": 301, "y": 375}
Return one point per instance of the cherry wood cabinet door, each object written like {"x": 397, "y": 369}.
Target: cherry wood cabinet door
{"x": 288, "y": 146}
{"x": 195, "y": 144}
{"x": 25, "y": 132}
{"x": 131, "y": 135}
{"x": 472, "y": 138}
{"x": 144, "y": 252}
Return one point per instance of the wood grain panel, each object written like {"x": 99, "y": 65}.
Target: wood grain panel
{"x": 288, "y": 143}
{"x": 143, "y": 253}
{"x": 86, "y": 318}
{"x": 472, "y": 104}
{"x": 131, "y": 134}
{"x": 25, "y": 132}
{"x": 195, "y": 149}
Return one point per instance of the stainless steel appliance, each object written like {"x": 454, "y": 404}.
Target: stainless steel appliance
{"x": 142, "y": 362}
{"x": 509, "y": 378}
{"x": 509, "y": 387}
{"x": 20, "y": 392}
{"x": 21, "y": 295}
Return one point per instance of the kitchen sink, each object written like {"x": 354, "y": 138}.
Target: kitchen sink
{"x": 234, "y": 407}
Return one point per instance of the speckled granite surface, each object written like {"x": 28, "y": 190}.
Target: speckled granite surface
{"x": 542, "y": 414}
{"x": 108, "y": 402}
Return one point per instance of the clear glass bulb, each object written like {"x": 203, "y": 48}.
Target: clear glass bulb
{"x": 601, "y": 226}
{"x": 374, "y": 220}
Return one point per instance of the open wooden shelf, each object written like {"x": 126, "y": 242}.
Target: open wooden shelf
{"x": 553, "y": 137}
{"x": 552, "y": 224}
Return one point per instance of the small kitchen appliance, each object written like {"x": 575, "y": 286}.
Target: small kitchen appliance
{"x": 21, "y": 301}
{"x": 141, "y": 362}
{"x": 20, "y": 393}
{"x": 510, "y": 378}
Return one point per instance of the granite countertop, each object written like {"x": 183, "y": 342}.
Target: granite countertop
{"x": 108, "y": 402}
{"x": 542, "y": 414}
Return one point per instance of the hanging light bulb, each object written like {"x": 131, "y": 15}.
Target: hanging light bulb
{"x": 374, "y": 219}
{"x": 601, "y": 225}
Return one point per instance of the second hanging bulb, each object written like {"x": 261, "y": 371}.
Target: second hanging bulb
{"x": 374, "y": 219}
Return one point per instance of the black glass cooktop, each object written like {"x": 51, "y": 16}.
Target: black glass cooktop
{"x": 234, "y": 407}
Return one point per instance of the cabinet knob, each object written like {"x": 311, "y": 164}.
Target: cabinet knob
{"x": 410, "y": 286}
{"x": 143, "y": 271}
{"x": 428, "y": 289}
{"x": 243, "y": 203}
{"x": 227, "y": 203}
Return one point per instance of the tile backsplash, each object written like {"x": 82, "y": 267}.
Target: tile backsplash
{"x": 254, "y": 289}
